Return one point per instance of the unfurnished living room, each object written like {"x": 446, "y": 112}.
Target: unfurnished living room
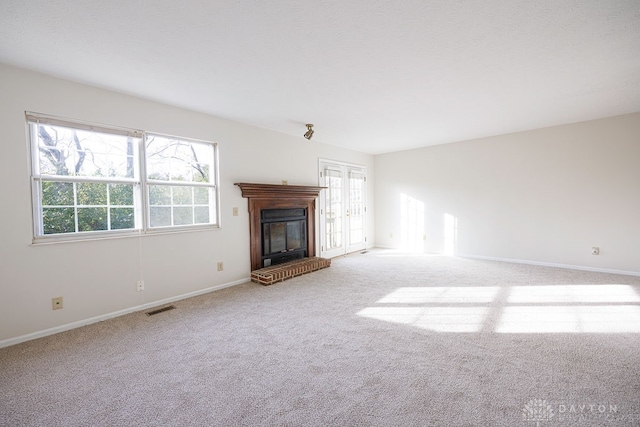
{"x": 420, "y": 213}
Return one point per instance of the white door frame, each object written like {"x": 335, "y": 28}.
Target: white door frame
{"x": 346, "y": 170}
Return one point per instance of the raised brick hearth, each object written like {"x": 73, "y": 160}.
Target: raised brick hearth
{"x": 278, "y": 273}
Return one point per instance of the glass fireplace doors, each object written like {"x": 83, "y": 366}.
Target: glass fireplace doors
{"x": 284, "y": 235}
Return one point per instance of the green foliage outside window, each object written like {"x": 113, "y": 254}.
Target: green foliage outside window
{"x": 99, "y": 206}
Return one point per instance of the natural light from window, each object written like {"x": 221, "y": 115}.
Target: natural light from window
{"x": 440, "y": 295}
{"x": 573, "y": 294}
{"x": 411, "y": 224}
{"x": 439, "y": 319}
{"x": 570, "y": 319}
{"x": 435, "y": 314}
{"x": 450, "y": 234}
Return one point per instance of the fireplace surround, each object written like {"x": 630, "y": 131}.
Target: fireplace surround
{"x": 285, "y": 213}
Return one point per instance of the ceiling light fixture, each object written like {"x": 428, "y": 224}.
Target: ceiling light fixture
{"x": 309, "y": 133}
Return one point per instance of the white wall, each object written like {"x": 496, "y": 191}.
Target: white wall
{"x": 543, "y": 196}
{"x": 97, "y": 278}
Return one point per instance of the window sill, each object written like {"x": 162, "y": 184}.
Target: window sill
{"x": 56, "y": 239}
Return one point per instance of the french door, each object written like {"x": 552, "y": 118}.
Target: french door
{"x": 342, "y": 209}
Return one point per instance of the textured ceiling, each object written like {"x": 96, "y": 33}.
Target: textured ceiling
{"x": 374, "y": 76}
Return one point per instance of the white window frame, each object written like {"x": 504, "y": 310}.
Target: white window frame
{"x": 212, "y": 186}
{"x": 139, "y": 181}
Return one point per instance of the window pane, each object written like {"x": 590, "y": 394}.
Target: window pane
{"x": 157, "y": 168}
{"x": 201, "y": 196}
{"x": 201, "y": 214}
{"x": 92, "y": 219}
{"x": 182, "y": 195}
{"x": 178, "y": 160}
{"x": 58, "y": 220}
{"x": 202, "y": 173}
{"x": 92, "y": 193}
{"x": 122, "y": 218}
{"x": 121, "y": 194}
{"x": 57, "y": 193}
{"x": 74, "y": 152}
{"x": 159, "y": 195}
{"x": 121, "y": 166}
{"x": 160, "y": 217}
{"x": 52, "y": 161}
{"x": 182, "y": 216}
{"x": 181, "y": 170}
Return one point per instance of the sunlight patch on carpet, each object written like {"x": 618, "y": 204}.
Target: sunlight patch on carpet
{"x": 570, "y": 319}
{"x": 440, "y": 319}
{"x": 573, "y": 294}
{"x": 441, "y": 294}
{"x": 536, "y": 309}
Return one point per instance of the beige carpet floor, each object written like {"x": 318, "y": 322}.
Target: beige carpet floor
{"x": 377, "y": 339}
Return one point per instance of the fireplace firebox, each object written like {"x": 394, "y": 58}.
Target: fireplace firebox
{"x": 284, "y": 235}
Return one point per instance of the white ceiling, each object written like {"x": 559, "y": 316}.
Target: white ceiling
{"x": 372, "y": 75}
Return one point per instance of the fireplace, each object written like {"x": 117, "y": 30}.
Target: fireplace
{"x": 282, "y": 222}
{"x": 284, "y": 235}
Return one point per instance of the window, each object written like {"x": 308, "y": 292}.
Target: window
{"x": 180, "y": 182}
{"x": 87, "y": 180}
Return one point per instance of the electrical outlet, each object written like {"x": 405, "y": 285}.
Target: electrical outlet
{"x": 56, "y": 303}
{"x": 235, "y": 211}
{"x": 285, "y": 182}
{"x": 220, "y": 266}
{"x": 140, "y": 286}
{"x": 595, "y": 250}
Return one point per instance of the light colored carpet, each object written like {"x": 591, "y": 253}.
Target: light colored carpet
{"x": 378, "y": 339}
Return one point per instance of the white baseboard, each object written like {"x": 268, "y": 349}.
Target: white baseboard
{"x": 84, "y": 322}
{"x": 524, "y": 261}
{"x": 382, "y": 247}
{"x": 551, "y": 264}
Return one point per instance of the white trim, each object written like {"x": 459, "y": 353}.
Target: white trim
{"x": 85, "y": 322}
{"x": 119, "y": 234}
{"x": 47, "y": 119}
{"x": 338, "y": 162}
{"x": 552, "y": 264}
{"x": 376, "y": 246}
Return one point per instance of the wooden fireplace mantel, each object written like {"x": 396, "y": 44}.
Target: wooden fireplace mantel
{"x": 273, "y": 190}
{"x": 271, "y": 196}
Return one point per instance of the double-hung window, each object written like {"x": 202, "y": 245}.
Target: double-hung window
{"x": 90, "y": 181}
{"x": 180, "y": 181}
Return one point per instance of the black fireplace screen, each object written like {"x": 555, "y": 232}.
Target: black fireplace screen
{"x": 284, "y": 235}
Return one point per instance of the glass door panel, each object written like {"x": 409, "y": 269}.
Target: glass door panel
{"x": 356, "y": 211}
{"x": 333, "y": 210}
